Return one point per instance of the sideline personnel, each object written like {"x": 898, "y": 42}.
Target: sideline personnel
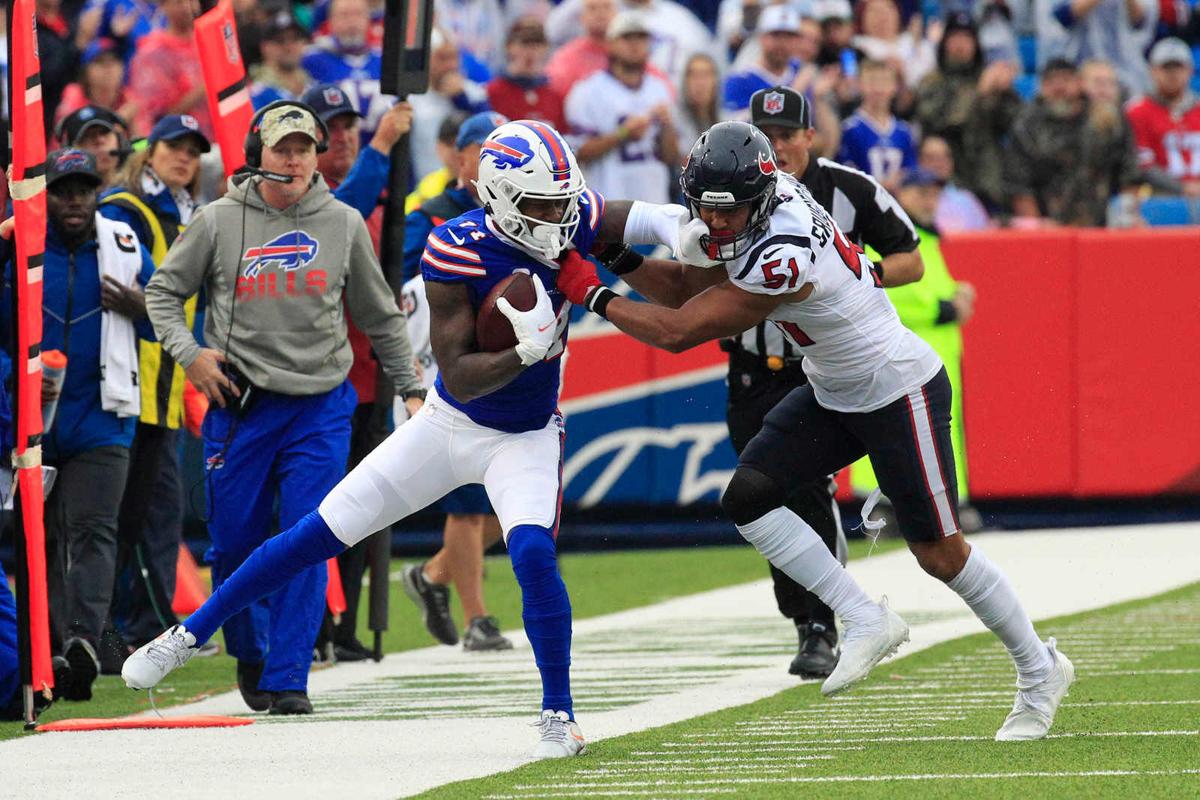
{"x": 282, "y": 262}
{"x": 764, "y": 366}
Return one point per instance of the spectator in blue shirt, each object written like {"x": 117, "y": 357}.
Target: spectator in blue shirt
{"x": 873, "y": 139}
{"x": 777, "y": 65}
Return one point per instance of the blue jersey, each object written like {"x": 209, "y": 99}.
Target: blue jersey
{"x": 469, "y": 251}
{"x": 739, "y": 86}
{"x": 884, "y": 154}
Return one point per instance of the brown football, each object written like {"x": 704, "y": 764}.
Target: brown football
{"x": 493, "y": 331}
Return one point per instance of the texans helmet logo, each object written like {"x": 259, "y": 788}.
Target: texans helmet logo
{"x": 508, "y": 152}
{"x": 766, "y": 164}
{"x": 288, "y": 252}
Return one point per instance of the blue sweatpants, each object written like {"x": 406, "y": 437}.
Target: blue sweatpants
{"x": 286, "y": 453}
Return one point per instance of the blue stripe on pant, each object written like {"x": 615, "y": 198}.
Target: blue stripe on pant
{"x": 287, "y": 453}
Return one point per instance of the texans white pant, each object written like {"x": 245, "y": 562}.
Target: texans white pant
{"x": 439, "y": 450}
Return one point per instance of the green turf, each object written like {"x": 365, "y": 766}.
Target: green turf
{"x": 758, "y": 750}
{"x": 600, "y": 583}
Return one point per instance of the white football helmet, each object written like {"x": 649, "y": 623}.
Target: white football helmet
{"x": 526, "y": 159}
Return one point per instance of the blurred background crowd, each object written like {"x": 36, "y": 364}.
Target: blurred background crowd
{"x": 1041, "y": 112}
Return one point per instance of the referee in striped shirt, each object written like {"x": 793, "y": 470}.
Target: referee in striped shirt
{"x": 764, "y": 367}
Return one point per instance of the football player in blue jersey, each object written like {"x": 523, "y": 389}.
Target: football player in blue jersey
{"x": 491, "y": 417}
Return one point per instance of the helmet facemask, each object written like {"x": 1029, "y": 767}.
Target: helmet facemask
{"x": 502, "y": 199}
{"x": 727, "y": 245}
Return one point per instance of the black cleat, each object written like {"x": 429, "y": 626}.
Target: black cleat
{"x": 484, "y": 634}
{"x": 248, "y": 676}
{"x": 290, "y": 703}
{"x": 353, "y": 650}
{"x": 113, "y": 652}
{"x": 818, "y": 651}
{"x": 85, "y": 666}
{"x": 434, "y": 602}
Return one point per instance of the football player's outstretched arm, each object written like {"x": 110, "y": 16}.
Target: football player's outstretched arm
{"x": 466, "y": 373}
{"x": 720, "y": 311}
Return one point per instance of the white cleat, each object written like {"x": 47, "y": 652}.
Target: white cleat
{"x": 1034, "y": 709}
{"x": 561, "y": 737}
{"x": 864, "y": 646}
{"x": 152, "y": 662}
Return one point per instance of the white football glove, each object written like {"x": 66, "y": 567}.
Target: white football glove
{"x": 535, "y": 328}
{"x": 689, "y": 250}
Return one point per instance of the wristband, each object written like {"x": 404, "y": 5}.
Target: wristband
{"x": 620, "y": 259}
{"x": 622, "y": 133}
{"x": 418, "y": 394}
{"x": 598, "y": 299}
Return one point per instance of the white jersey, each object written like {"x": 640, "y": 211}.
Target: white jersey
{"x": 598, "y": 105}
{"x": 416, "y": 311}
{"x": 857, "y": 354}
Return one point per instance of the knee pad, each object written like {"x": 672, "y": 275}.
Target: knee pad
{"x": 750, "y": 495}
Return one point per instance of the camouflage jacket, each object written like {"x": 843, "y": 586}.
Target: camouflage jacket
{"x": 1073, "y": 165}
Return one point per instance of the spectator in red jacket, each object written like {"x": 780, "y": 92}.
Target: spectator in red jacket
{"x": 1166, "y": 123}
{"x": 523, "y": 90}
{"x": 165, "y": 75}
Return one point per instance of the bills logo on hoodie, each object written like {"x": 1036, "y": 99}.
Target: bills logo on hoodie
{"x": 289, "y": 252}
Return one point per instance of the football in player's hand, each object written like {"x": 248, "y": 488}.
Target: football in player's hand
{"x": 493, "y": 331}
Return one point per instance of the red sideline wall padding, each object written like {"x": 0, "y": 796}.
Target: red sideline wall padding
{"x": 1082, "y": 362}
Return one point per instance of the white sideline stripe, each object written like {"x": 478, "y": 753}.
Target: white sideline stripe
{"x": 565, "y": 789}
{"x": 736, "y": 742}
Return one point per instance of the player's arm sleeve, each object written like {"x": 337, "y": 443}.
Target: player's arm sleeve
{"x": 180, "y": 276}
{"x": 779, "y": 265}
{"x": 652, "y": 223}
{"x": 367, "y": 179}
{"x": 373, "y": 309}
{"x": 884, "y": 225}
{"x": 444, "y": 260}
{"x": 416, "y": 229}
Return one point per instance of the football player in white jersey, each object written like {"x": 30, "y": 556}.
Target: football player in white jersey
{"x": 760, "y": 248}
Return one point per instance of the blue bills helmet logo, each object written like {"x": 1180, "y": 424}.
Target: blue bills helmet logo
{"x": 508, "y": 152}
{"x": 289, "y": 252}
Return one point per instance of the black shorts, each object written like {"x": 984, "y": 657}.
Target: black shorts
{"x": 908, "y": 441}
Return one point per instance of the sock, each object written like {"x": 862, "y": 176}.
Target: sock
{"x": 794, "y": 547}
{"x": 272, "y": 564}
{"x": 546, "y": 612}
{"x": 984, "y": 588}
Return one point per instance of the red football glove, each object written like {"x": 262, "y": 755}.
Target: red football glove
{"x": 577, "y": 277}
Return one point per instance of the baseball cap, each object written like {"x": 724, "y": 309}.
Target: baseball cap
{"x": 176, "y": 126}
{"x": 1171, "y": 51}
{"x": 959, "y": 21}
{"x": 832, "y": 9}
{"x": 778, "y": 19}
{"x": 780, "y": 106}
{"x": 101, "y": 46}
{"x": 282, "y": 22}
{"x": 627, "y": 23}
{"x": 328, "y": 101}
{"x": 282, "y": 121}
{"x": 68, "y": 162}
{"x": 477, "y": 127}
{"x": 920, "y": 177}
{"x": 74, "y": 125}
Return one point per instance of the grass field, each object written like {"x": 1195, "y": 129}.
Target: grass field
{"x": 600, "y": 583}
{"x": 922, "y": 726}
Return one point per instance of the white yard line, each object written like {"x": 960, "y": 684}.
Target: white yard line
{"x": 724, "y": 648}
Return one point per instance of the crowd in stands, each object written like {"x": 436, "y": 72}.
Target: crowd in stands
{"x": 1027, "y": 112}
{"x": 1063, "y": 112}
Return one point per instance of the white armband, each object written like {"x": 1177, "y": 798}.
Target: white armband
{"x": 651, "y": 223}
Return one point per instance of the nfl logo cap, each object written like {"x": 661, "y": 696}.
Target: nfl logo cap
{"x": 70, "y": 162}
{"x": 329, "y": 101}
{"x": 780, "y": 106}
{"x": 176, "y": 126}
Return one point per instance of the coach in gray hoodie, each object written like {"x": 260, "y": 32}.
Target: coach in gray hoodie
{"x": 281, "y": 264}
